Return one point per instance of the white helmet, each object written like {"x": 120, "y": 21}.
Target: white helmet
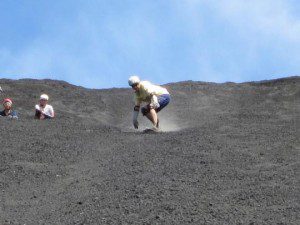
{"x": 133, "y": 80}
{"x": 44, "y": 97}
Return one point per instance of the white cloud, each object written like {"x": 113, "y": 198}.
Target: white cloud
{"x": 270, "y": 18}
{"x": 252, "y": 39}
{"x": 192, "y": 39}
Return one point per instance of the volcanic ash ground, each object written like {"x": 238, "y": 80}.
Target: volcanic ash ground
{"x": 228, "y": 154}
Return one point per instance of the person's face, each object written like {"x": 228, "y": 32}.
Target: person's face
{"x": 7, "y": 105}
{"x": 135, "y": 87}
{"x": 43, "y": 102}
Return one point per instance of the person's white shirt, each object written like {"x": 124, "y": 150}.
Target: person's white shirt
{"x": 47, "y": 110}
{"x": 147, "y": 91}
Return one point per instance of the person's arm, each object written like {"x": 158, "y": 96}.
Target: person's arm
{"x": 37, "y": 112}
{"x": 14, "y": 115}
{"x": 153, "y": 91}
{"x": 134, "y": 119}
{"x": 154, "y": 102}
{"x": 50, "y": 113}
{"x": 135, "y": 113}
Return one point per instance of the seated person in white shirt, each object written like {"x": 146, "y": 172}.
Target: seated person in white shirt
{"x": 43, "y": 110}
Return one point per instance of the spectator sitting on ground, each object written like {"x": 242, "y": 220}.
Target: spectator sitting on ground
{"x": 43, "y": 110}
{"x": 7, "y": 103}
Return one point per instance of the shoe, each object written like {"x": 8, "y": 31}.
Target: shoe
{"x": 151, "y": 130}
{"x": 155, "y": 129}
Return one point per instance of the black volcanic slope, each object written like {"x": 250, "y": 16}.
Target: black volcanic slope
{"x": 229, "y": 154}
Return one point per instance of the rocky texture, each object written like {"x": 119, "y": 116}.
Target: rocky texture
{"x": 229, "y": 154}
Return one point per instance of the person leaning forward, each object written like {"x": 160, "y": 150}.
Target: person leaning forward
{"x": 155, "y": 97}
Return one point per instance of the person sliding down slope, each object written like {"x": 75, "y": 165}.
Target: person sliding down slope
{"x": 43, "y": 110}
{"x": 155, "y": 97}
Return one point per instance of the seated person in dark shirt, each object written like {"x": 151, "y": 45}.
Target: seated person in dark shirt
{"x": 7, "y": 103}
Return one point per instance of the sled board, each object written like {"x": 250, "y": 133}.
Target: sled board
{"x": 150, "y": 131}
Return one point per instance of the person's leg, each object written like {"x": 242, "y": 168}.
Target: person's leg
{"x": 152, "y": 116}
{"x": 163, "y": 101}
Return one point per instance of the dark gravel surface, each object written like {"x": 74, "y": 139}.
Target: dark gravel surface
{"x": 229, "y": 154}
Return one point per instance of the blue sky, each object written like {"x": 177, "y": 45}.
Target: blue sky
{"x": 99, "y": 44}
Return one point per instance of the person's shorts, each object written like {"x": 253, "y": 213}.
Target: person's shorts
{"x": 163, "y": 101}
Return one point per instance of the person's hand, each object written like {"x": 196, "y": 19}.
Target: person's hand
{"x": 135, "y": 124}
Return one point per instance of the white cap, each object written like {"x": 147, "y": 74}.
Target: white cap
{"x": 44, "y": 97}
{"x": 133, "y": 80}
